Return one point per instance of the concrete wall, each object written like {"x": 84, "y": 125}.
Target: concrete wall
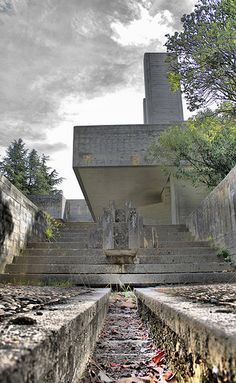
{"x": 113, "y": 145}
{"x": 77, "y": 211}
{"x": 20, "y": 220}
{"x": 184, "y": 199}
{"x": 161, "y": 104}
{"x": 216, "y": 216}
{"x": 158, "y": 213}
{"x": 53, "y": 204}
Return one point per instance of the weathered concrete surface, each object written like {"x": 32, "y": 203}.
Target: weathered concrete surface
{"x": 177, "y": 258}
{"x": 72, "y": 210}
{"x": 77, "y": 210}
{"x": 185, "y": 198}
{"x": 110, "y": 162}
{"x": 215, "y": 219}
{"x": 110, "y": 165}
{"x": 20, "y": 220}
{"x": 146, "y": 279}
{"x": 161, "y": 105}
{"x": 57, "y": 347}
{"x": 52, "y": 204}
{"x": 200, "y": 341}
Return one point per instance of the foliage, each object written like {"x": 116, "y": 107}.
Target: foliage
{"x": 224, "y": 253}
{"x": 28, "y": 171}
{"x": 51, "y": 230}
{"x": 203, "y": 150}
{"x": 206, "y": 54}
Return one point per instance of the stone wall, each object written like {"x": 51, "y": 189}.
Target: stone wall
{"x": 20, "y": 220}
{"x": 215, "y": 218}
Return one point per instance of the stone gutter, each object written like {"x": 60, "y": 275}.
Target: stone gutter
{"x": 56, "y": 348}
{"x": 199, "y": 340}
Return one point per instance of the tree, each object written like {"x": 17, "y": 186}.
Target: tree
{"x": 203, "y": 150}
{"x": 206, "y": 54}
{"x": 14, "y": 165}
{"x": 28, "y": 171}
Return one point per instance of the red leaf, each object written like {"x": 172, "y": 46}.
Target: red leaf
{"x": 159, "y": 357}
{"x": 168, "y": 375}
{"x": 112, "y": 364}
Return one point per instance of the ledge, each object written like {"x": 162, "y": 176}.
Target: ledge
{"x": 199, "y": 340}
{"x": 57, "y": 347}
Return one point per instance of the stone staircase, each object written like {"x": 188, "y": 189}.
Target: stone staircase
{"x": 178, "y": 259}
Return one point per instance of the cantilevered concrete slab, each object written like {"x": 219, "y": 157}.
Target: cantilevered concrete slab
{"x": 110, "y": 163}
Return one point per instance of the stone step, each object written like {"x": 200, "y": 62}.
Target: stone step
{"x": 77, "y": 236}
{"x": 116, "y": 269}
{"x": 180, "y": 244}
{"x": 66, "y": 251}
{"x": 102, "y": 259}
{"x": 100, "y": 280}
{"x": 78, "y": 244}
{"x": 169, "y": 228}
{"x": 69, "y": 238}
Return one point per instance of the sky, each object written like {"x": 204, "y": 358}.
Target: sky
{"x": 76, "y": 62}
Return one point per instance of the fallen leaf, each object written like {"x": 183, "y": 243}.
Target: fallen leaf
{"x": 112, "y": 364}
{"x": 159, "y": 357}
{"x": 168, "y": 375}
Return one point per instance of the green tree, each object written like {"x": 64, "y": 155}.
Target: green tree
{"x": 14, "y": 164}
{"x": 203, "y": 150}
{"x": 29, "y": 171}
{"x": 206, "y": 54}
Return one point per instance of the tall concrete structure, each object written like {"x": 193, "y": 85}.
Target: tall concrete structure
{"x": 161, "y": 106}
{"x": 111, "y": 164}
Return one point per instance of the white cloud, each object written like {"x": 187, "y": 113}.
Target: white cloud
{"x": 144, "y": 30}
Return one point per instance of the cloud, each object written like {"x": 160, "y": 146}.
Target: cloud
{"x": 54, "y": 49}
{"x": 176, "y": 8}
{"x": 49, "y": 148}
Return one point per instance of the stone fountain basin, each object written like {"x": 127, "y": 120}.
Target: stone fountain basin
{"x": 121, "y": 256}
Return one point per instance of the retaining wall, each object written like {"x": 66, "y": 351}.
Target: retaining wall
{"x": 215, "y": 219}
{"x": 52, "y": 204}
{"x": 20, "y": 220}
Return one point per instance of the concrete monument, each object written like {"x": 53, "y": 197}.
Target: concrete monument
{"x": 110, "y": 161}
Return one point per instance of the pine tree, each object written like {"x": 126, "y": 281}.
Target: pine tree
{"x": 29, "y": 171}
{"x": 14, "y": 165}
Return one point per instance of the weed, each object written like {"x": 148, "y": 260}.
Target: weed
{"x": 51, "y": 230}
{"x": 224, "y": 253}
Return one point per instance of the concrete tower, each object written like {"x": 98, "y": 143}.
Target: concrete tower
{"x": 161, "y": 105}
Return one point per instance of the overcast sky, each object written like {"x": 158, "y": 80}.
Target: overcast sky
{"x": 76, "y": 62}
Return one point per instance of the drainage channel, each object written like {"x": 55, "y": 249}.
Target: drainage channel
{"x": 47, "y": 335}
{"x": 193, "y": 337}
{"x": 125, "y": 352}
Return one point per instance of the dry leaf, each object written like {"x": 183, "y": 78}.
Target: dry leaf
{"x": 159, "y": 357}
